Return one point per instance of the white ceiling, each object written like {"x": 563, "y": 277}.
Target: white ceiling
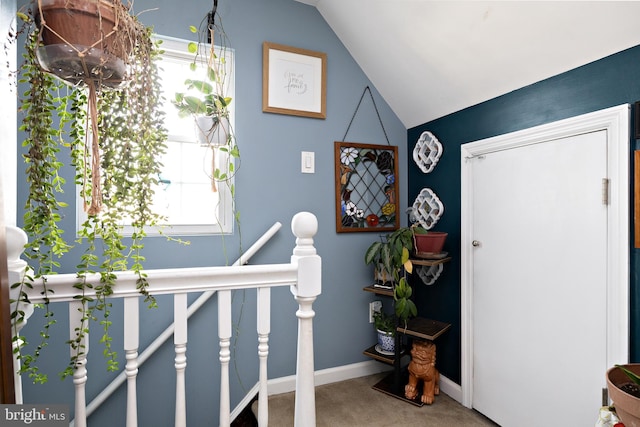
{"x": 431, "y": 58}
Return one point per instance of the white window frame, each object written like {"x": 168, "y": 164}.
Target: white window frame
{"x": 223, "y": 224}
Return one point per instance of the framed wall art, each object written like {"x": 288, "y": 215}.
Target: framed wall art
{"x": 366, "y": 182}
{"x": 294, "y": 81}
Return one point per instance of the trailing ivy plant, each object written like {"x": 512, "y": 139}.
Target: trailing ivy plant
{"x": 116, "y": 179}
{"x": 206, "y": 96}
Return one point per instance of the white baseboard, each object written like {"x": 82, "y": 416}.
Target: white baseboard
{"x": 328, "y": 376}
{"x": 451, "y": 389}
{"x": 339, "y": 373}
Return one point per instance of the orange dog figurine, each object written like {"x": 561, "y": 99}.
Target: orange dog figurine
{"x": 423, "y": 367}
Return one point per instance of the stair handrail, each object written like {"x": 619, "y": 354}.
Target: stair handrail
{"x": 166, "y": 334}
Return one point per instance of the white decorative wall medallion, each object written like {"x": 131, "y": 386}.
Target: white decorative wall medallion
{"x": 427, "y": 152}
{"x": 430, "y": 274}
{"x": 427, "y": 208}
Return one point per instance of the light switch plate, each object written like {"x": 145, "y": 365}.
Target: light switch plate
{"x": 374, "y": 306}
{"x": 308, "y": 162}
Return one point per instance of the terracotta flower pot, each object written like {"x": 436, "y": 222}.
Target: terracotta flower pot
{"x": 627, "y": 406}
{"x": 83, "y": 39}
{"x": 431, "y": 242}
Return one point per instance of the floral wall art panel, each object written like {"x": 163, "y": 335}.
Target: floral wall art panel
{"x": 366, "y": 184}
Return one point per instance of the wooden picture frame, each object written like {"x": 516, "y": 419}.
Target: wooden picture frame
{"x": 294, "y": 81}
{"x": 366, "y": 185}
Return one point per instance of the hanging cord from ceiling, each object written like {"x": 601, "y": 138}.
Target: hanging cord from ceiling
{"x": 367, "y": 89}
{"x": 211, "y": 19}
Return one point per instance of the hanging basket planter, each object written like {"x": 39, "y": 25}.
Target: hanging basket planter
{"x": 90, "y": 43}
{"x": 84, "y": 40}
{"x": 212, "y": 130}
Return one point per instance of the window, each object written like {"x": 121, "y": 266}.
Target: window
{"x": 187, "y": 196}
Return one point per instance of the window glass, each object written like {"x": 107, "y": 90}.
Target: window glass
{"x": 186, "y": 195}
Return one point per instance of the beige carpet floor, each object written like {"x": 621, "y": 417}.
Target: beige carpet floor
{"x": 354, "y": 403}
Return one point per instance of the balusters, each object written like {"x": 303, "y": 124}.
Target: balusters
{"x": 304, "y": 276}
{"x": 76, "y": 327}
{"x": 16, "y": 238}
{"x": 180, "y": 342}
{"x": 224, "y": 334}
{"x": 264, "y": 328}
{"x": 131, "y": 343}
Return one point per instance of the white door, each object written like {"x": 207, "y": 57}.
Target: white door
{"x": 538, "y": 316}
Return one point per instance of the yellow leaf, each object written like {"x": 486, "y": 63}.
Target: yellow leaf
{"x": 408, "y": 266}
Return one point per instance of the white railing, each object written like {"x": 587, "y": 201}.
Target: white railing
{"x": 302, "y": 274}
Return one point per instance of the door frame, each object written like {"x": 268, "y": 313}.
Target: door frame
{"x": 615, "y": 121}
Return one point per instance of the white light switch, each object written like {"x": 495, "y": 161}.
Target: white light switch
{"x": 308, "y": 162}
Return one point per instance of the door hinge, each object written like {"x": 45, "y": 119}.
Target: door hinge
{"x": 605, "y": 397}
{"x": 605, "y": 191}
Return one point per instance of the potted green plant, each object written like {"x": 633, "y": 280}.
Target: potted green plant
{"x": 116, "y": 164}
{"x": 623, "y": 384}
{"x": 209, "y": 112}
{"x": 204, "y": 97}
{"x": 379, "y": 254}
{"x": 392, "y": 253}
{"x": 389, "y": 255}
{"x": 385, "y": 325}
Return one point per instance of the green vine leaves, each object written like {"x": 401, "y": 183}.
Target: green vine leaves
{"x": 132, "y": 138}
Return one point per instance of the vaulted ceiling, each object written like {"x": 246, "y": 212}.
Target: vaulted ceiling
{"x": 431, "y": 58}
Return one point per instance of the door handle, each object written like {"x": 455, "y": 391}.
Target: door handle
{"x": 476, "y": 243}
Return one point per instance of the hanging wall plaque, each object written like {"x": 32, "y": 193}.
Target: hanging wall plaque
{"x": 366, "y": 185}
{"x": 427, "y": 208}
{"x": 427, "y": 152}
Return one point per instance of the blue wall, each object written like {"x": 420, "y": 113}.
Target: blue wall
{"x": 605, "y": 83}
{"x": 270, "y": 188}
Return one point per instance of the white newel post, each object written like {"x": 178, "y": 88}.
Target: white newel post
{"x": 304, "y": 226}
{"x": 16, "y": 239}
